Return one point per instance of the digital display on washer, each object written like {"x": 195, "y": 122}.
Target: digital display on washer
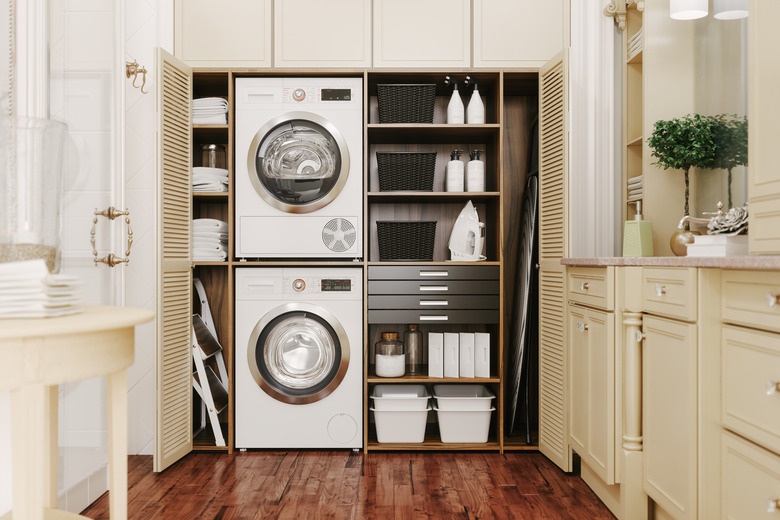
{"x": 336, "y": 285}
{"x": 336, "y": 94}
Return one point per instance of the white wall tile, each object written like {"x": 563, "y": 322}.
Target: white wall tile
{"x": 89, "y": 40}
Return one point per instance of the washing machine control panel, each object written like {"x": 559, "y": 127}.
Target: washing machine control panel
{"x": 318, "y": 285}
{"x": 309, "y": 95}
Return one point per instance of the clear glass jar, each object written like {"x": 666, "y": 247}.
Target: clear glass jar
{"x": 31, "y": 172}
{"x": 214, "y": 156}
{"x": 413, "y": 342}
{"x": 390, "y": 359}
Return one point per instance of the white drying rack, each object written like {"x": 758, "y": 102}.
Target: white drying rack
{"x": 211, "y": 388}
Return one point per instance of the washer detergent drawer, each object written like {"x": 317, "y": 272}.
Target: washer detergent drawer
{"x": 433, "y": 294}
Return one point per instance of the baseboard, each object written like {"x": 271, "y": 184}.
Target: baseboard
{"x": 610, "y": 495}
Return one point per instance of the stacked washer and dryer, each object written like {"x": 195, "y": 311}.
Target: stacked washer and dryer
{"x": 299, "y": 196}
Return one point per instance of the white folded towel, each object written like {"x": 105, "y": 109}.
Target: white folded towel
{"x": 209, "y": 224}
{"x": 209, "y": 102}
{"x": 219, "y": 119}
{"x": 210, "y": 234}
{"x": 209, "y": 188}
{"x": 206, "y": 170}
{"x": 198, "y": 242}
{"x": 635, "y": 180}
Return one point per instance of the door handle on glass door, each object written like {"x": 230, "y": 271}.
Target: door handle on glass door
{"x": 111, "y": 213}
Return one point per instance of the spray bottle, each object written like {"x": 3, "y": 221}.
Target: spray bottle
{"x": 455, "y": 114}
{"x": 475, "y": 113}
{"x": 475, "y": 172}
{"x": 453, "y": 179}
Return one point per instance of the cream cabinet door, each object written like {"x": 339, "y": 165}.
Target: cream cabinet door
{"x": 592, "y": 388}
{"x": 422, "y": 33}
{"x": 313, "y": 33}
{"x": 236, "y": 33}
{"x": 518, "y": 33}
{"x": 669, "y": 404}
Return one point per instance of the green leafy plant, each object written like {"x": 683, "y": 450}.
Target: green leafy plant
{"x": 684, "y": 143}
{"x": 731, "y": 141}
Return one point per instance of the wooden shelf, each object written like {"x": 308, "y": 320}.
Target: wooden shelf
{"x": 487, "y": 262}
{"x": 431, "y": 133}
{"x": 223, "y": 263}
{"x": 204, "y": 440}
{"x": 434, "y": 380}
{"x": 636, "y": 141}
{"x": 424, "y": 197}
{"x": 209, "y": 194}
{"x": 432, "y": 442}
{"x": 210, "y": 127}
{"x": 636, "y": 58}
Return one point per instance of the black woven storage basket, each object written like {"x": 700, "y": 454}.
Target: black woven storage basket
{"x": 405, "y": 240}
{"x": 406, "y": 171}
{"x": 406, "y": 103}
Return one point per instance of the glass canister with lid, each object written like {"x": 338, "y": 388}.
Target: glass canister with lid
{"x": 390, "y": 358}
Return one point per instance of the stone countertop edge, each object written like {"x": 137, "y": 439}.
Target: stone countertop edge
{"x": 767, "y": 262}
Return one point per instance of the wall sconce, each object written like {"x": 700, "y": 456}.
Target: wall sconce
{"x": 688, "y": 9}
{"x": 730, "y": 9}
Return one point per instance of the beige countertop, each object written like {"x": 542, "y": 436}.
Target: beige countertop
{"x": 722, "y": 262}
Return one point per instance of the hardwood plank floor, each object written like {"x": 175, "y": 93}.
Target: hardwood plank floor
{"x": 348, "y": 485}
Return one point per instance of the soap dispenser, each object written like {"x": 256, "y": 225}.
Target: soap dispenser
{"x": 475, "y": 172}
{"x": 455, "y": 108}
{"x": 638, "y": 235}
{"x": 475, "y": 113}
{"x": 453, "y": 178}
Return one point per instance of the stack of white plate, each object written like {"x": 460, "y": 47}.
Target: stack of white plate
{"x": 27, "y": 290}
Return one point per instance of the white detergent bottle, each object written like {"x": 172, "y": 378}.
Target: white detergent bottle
{"x": 475, "y": 113}
{"x": 475, "y": 172}
{"x": 455, "y": 114}
{"x": 453, "y": 178}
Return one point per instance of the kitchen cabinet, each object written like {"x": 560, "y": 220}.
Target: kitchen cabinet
{"x": 225, "y": 34}
{"x": 518, "y": 33}
{"x": 422, "y": 33}
{"x": 305, "y": 34}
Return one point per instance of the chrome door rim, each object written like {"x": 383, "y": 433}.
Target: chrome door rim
{"x": 341, "y": 336}
{"x": 261, "y": 189}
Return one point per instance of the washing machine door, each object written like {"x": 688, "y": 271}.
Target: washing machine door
{"x": 298, "y": 162}
{"x": 298, "y": 353}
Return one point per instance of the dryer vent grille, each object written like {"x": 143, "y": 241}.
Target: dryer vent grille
{"x": 339, "y": 235}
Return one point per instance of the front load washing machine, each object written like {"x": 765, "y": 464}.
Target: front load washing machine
{"x": 299, "y": 167}
{"x": 299, "y": 357}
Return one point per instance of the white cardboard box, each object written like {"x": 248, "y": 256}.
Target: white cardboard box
{"x": 435, "y": 354}
{"x": 482, "y": 354}
{"x": 467, "y": 354}
{"x": 718, "y": 245}
{"x": 451, "y": 354}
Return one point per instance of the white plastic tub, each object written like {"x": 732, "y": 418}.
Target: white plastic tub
{"x": 400, "y": 425}
{"x": 400, "y": 397}
{"x": 463, "y": 397}
{"x": 464, "y": 425}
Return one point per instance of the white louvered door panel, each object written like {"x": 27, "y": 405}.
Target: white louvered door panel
{"x": 553, "y": 245}
{"x": 173, "y": 417}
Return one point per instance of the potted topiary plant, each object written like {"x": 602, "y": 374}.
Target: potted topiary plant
{"x": 731, "y": 142}
{"x": 683, "y": 143}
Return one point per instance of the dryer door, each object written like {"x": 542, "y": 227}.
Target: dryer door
{"x": 298, "y": 353}
{"x": 298, "y": 162}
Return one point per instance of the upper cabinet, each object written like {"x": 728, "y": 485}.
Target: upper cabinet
{"x": 518, "y": 33}
{"x": 225, "y": 34}
{"x": 422, "y": 33}
{"x": 313, "y": 33}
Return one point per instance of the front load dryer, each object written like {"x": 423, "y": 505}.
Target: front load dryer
{"x": 299, "y": 357}
{"x": 299, "y": 167}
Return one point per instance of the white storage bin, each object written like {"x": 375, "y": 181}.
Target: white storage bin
{"x": 400, "y": 425}
{"x": 400, "y": 397}
{"x": 464, "y": 425}
{"x": 462, "y": 397}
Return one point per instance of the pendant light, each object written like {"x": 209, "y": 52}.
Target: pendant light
{"x": 687, "y": 9}
{"x": 730, "y": 9}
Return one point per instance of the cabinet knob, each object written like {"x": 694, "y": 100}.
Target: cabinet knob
{"x": 772, "y": 505}
{"x": 582, "y": 327}
{"x": 772, "y": 299}
{"x": 660, "y": 290}
{"x": 584, "y": 286}
{"x": 772, "y": 387}
{"x": 639, "y": 336}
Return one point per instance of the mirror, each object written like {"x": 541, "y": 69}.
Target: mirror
{"x": 721, "y": 88}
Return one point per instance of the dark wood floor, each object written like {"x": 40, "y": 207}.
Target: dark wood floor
{"x": 344, "y": 485}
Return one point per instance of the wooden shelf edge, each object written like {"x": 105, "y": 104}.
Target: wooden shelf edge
{"x": 430, "y": 126}
{"x": 210, "y": 126}
{"x": 635, "y": 141}
{"x": 432, "y": 446}
{"x": 435, "y": 380}
{"x": 423, "y": 264}
{"x": 210, "y": 194}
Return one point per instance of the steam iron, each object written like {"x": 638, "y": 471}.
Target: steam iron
{"x": 468, "y": 236}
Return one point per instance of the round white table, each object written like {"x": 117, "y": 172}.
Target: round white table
{"x": 37, "y": 355}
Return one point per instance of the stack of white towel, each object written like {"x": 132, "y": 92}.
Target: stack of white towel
{"x": 635, "y": 188}
{"x": 209, "y": 179}
{"x": 209, "y": 111}
{"x": 209, "y": 240}
{"x": 27, "y": 290}
{"x": 634, "y": 44}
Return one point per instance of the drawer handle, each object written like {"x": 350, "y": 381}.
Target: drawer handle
{"x": 434, "y": 273}
{"x": 582, "y": 327}
{"x": 434, "y": 318}
{"x": 772, "y": 505}
{"x": 772, "y": 299}
{"x": 584, "y": 286}
{"x": 434, "y": 288}
{"x": 660, "y": 290}
{"x": 442, "y": 303}
{"x": 639, "y": 336}
{"x": 772, "y": 387}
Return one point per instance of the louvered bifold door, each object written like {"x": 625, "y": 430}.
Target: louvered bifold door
{"x": 553, "y": 246}
{"x": 173, "y": 416}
